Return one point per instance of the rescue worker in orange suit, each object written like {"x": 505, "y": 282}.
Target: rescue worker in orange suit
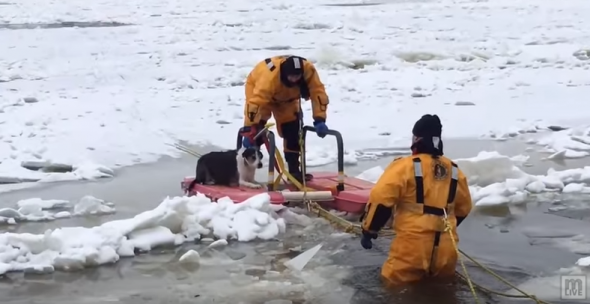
{"x": 275, "y": 87}
{"x": 419, "y": 191}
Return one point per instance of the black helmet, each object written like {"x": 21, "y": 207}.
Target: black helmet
{"x": 292, "y": 66}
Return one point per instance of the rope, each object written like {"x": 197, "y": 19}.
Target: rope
{"x": 302, "y": 161}
{"x": 185, "y": 149}
{"x": 523, "y": 295}
{"x": 449, "y": 229}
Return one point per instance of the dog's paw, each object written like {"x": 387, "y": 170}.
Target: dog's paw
{"x": 256, "y": 186}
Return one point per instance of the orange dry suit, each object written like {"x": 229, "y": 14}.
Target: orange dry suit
{"x": 267, "y": 93}
{"x": 417, "y": 190}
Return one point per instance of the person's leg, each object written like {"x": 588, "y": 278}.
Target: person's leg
{"x": 288, "y": 127}
{"x": 405, "y": 263}
{"x": 446, "y": 259}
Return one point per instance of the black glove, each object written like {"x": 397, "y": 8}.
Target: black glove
{"x": 366, "y": 240}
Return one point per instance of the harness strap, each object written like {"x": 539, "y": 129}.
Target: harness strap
{"x": 419, "y": 178}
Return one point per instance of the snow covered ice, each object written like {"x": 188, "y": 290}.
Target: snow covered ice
{"x": 174, "y": 71}
{"x": 570, "y": 143}
{"x": 174, "y": 222}
{"x": 122, "y": 93}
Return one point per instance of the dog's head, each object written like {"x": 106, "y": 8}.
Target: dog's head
{"x": 252, "y": 157}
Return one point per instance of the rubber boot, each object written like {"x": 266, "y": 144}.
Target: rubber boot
{"x": 294, "y": 167}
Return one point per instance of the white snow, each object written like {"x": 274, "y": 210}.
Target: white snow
{"x": 496, "y": 179}
{"x": 173, "y": 222}
{"x": 119, "y": 95}
{"x": 37, "y": 209}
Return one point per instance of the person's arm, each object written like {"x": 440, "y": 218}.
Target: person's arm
{"x": 463, "y": 202}
{"x": 384, "y": 196}
{"x": 317, "y": 92}
{"x": 258, "y": 96}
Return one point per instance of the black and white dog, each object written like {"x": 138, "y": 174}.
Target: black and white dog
{"x": 229, "y": 168}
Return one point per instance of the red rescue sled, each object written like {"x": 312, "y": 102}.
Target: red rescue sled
{"x": 336, "y": 190}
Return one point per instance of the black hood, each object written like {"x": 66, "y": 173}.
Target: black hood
{"x": 429, "y": 130}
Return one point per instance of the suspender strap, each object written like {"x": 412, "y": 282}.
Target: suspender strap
{"x": 418, "y": 176}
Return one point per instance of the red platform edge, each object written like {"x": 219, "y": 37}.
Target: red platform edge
{"x": 353, "y": 199}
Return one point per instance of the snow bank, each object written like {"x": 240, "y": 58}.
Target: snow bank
{"x": 173, "y": 222}
{"x": 496, "y": 179}
{"x": 36, "y": 209}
